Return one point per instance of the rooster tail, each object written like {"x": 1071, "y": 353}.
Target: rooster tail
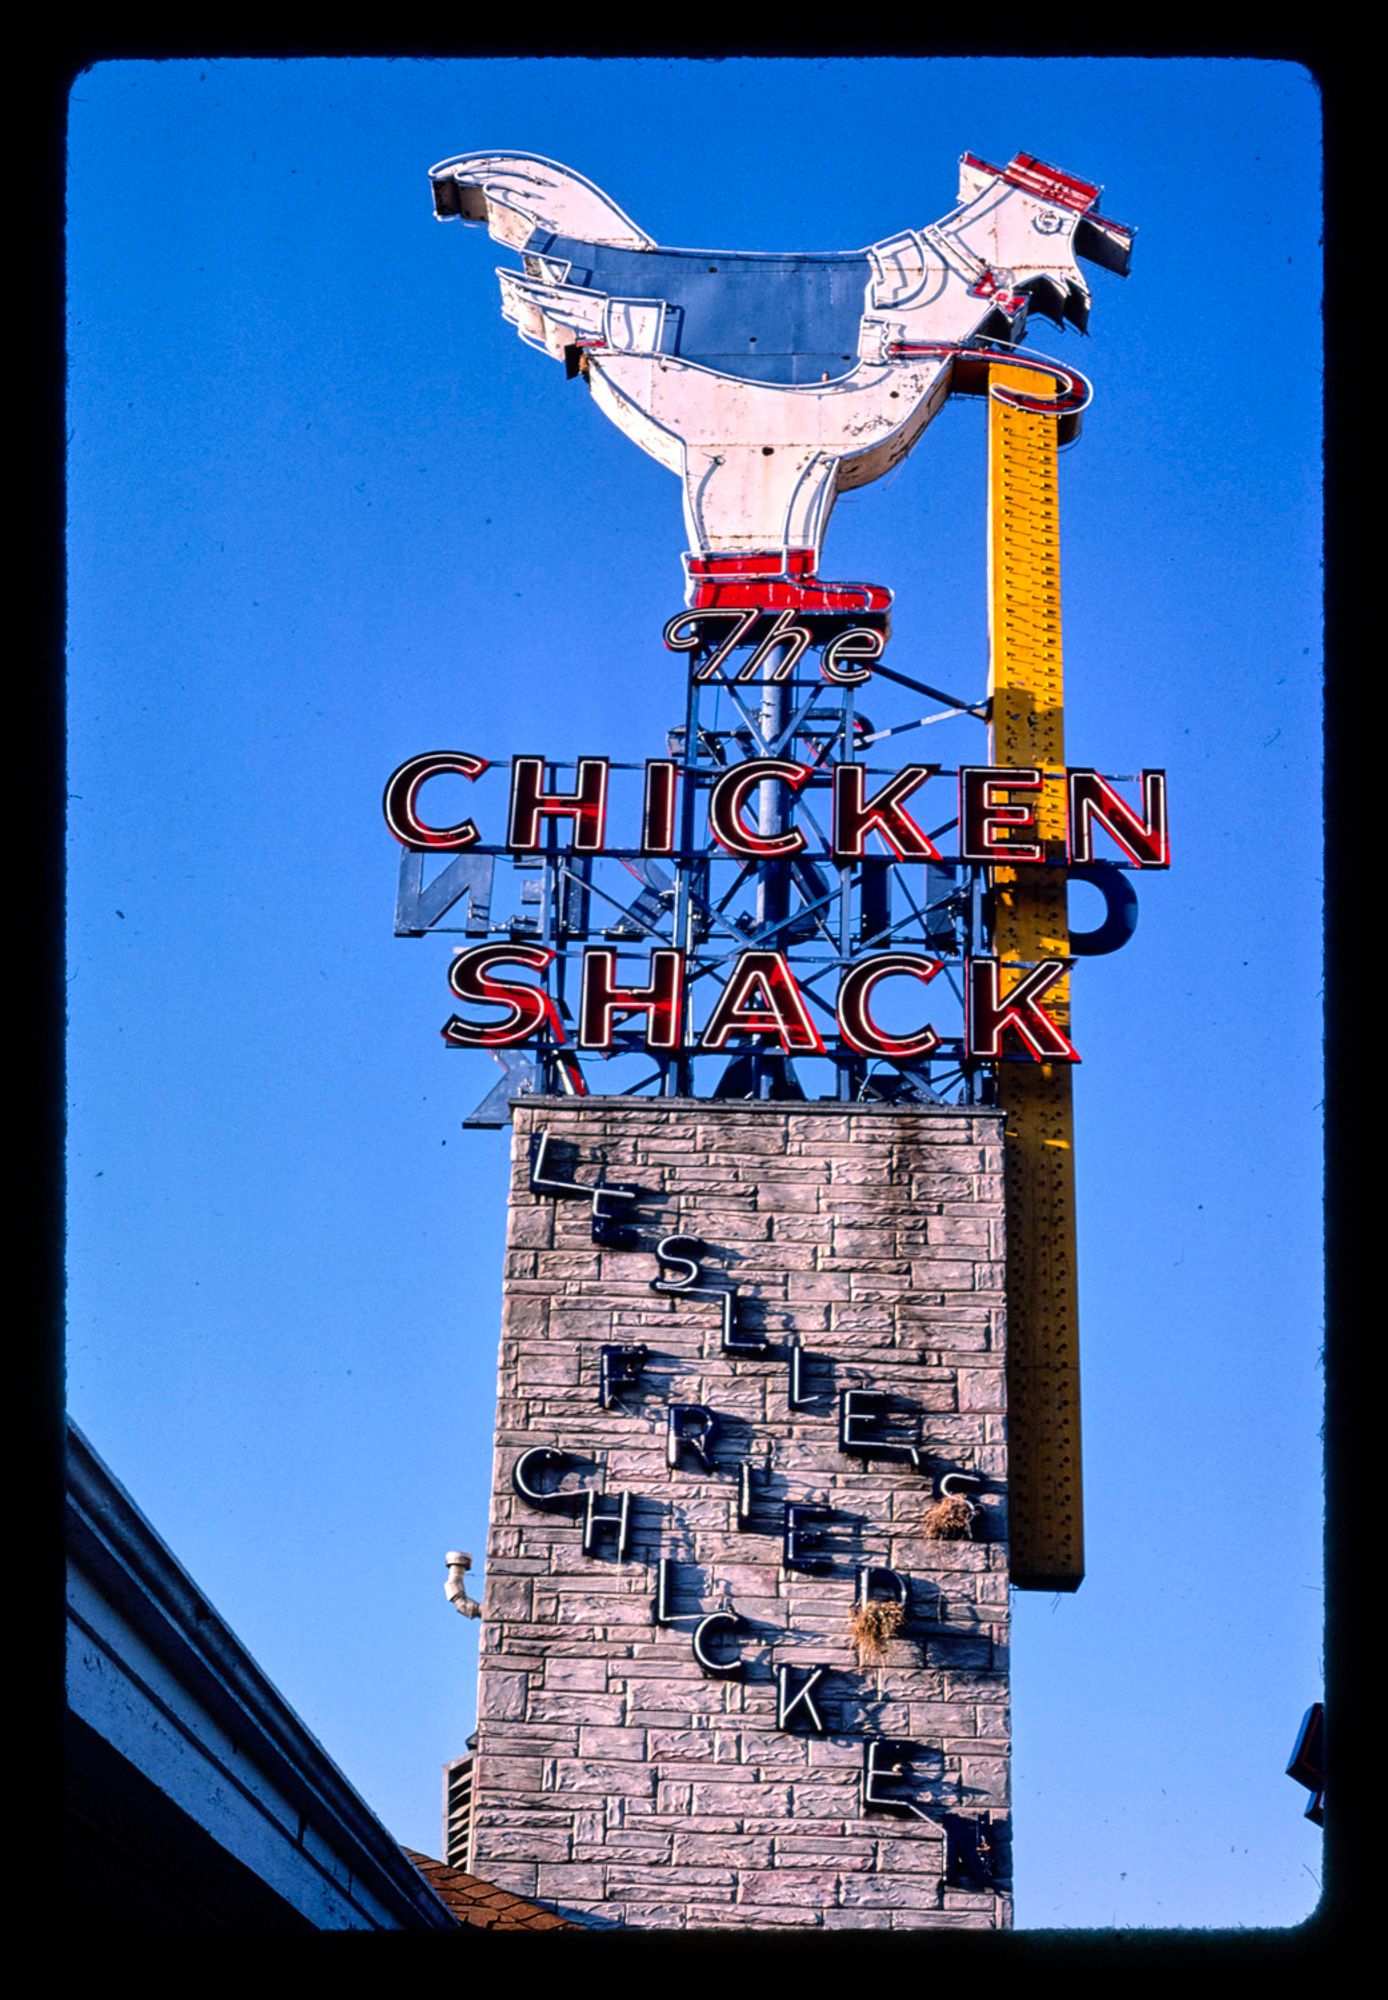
{"x": 515, "y": 194}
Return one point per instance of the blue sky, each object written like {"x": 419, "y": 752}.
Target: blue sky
{"x": 327, "y": 512}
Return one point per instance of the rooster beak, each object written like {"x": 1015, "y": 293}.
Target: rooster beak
{"x": 1103, "y": 242}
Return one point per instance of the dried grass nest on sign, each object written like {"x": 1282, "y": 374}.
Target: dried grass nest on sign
{"x": 872, "y": 1625}
{"x": 951, "y": 1520}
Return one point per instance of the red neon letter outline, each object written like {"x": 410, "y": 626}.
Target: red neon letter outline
{"x": 658, "y": 807}
{"x": 728, "y": 796}
{"x": 586, "y": 806}
{"x": 859, "y": 1029}
{"x": 987, "y": 1018}
{"x": 855, "y": 816}
{"x": 660, "y": 1001}
{"x": 528, "y": 1008}
{"x": 981, "y": 815}
{"x": 402, "y": 790}
{"x": 783, "y": 1014}
{"x": 1144, "y": 840}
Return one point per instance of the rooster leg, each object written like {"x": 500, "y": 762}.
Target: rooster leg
{"x": 745, "y": 497}
{"x": 757, "y": 527}
{"x": 762, "y": 465}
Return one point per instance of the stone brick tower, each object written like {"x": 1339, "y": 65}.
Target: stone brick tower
{"x": 705, "y": 1458}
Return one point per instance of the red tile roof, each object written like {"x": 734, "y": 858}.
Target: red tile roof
{"x": 481, "y": 1904}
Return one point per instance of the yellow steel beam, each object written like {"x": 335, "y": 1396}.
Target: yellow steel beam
{"x": 1030, "y": 922}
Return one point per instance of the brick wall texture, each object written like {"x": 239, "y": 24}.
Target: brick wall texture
{"x": 616, "y": 1782}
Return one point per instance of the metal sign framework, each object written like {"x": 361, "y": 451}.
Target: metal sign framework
{"x": 713, "y": 905}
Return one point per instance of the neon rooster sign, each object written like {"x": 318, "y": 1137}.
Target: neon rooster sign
{"x": 770, "y": 383}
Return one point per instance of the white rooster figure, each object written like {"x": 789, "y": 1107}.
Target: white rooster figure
{"x": 771, "y": 383}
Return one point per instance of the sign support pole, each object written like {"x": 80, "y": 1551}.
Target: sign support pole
{"x": 1030, "y": 922}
